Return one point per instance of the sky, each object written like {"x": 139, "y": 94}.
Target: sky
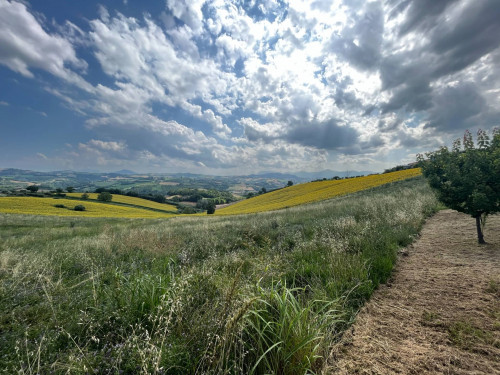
{"x": 231, "y": 87}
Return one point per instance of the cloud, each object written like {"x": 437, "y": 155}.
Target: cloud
{"x": 107, "y": 146}
{"x": 456, "y": 107}
{"x": 361, "y": 43}
{"x": 421, "y": 15}
{"x": 444, "y": 74}
{"x": 223, "y": 85}
{"x": 320, "y": 135}
{"x": 187, "y": 11}
{"x": 25, "y": 45}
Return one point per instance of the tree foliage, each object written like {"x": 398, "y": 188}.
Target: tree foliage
{"x": 211, "y": 208}
{"x": 105, "y": 196}
{"x": 467, "y": 178}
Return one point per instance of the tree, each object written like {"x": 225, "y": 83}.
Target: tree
{"x": 290, "y": 183}
{"x": 85, "y": 196}
{"x": 211, "y": 208}
{"x": 104, "y": 196}
{"x": 70, "y": 189}
{"x": 32, "y": 188}
{"x": 467, "y": 178}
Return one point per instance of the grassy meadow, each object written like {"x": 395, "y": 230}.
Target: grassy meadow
{"x": 250, "y": 294}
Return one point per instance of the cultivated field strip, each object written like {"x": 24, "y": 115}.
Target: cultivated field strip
{"x": 133, "y": 201}
{"x": 313, "y": 192}
{"x": 46, "y": 206}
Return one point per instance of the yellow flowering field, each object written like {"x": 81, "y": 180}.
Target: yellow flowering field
{"x": 45, "y": 206}
{"x": 130, "y": 200}
{"x": 313, "y": 192}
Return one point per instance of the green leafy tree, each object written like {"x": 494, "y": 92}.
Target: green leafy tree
{"x": 104, "y": 196}
{"x": 211, "y": 208}
{"x": 32, "y": 188}
{"x": 290, "y": 183}
{"x": 70, "y": 189}
{"x": 85, "y": 196}
{"x": 467, "y": 178}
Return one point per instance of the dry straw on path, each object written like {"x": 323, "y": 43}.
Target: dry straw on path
{"x": 440, "y": 313}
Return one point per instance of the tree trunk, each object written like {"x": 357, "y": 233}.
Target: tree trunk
{"x": 480, "y": 237}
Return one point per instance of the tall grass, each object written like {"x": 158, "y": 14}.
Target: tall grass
{"x": 260, "y": 293}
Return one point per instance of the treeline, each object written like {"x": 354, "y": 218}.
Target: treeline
{"x": 205, "y": 200}
{"x": 201, "y": 195}
{"x": 401, "y": 167}
{"x": 336, "y": 178}
{"x": 151, "y": 197}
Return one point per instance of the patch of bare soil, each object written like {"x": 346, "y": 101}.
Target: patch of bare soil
{"x": 440, "y": 312}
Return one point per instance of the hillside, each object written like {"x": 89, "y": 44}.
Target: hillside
{"x": 47, "y": 207}
{"x": 313, "y": 192}
{"x": 134, "y": 207}
{"x": 259, "y": 293}
{"x": 133, "y": 201}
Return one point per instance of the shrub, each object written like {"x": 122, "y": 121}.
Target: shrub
{"x": 79, "y": 207}
{"x": 187, "y": 210}
{"x": 211, "y": 208}
{"x": 32, "y": 188}
{"x": 60, "y": 206}
{"x": 104, "y": 197}
{"x": 85, "y": 196}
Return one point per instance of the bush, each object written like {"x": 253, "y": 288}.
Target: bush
{"x": 187, "y": 210}
{"x": 111, "y": 191}
{"x": 60, "y": 206}
{"x": 104, "y": 197}
{"x": 79, "y": 207}
{"x": 211, "y": 208}
{"x": 85, "y": 196}
{"x": 32, "y": 188}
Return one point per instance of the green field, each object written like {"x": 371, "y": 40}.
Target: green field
{"x": 260, "y": 293}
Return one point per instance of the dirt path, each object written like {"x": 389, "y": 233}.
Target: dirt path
{"x": 439, "y": 314}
